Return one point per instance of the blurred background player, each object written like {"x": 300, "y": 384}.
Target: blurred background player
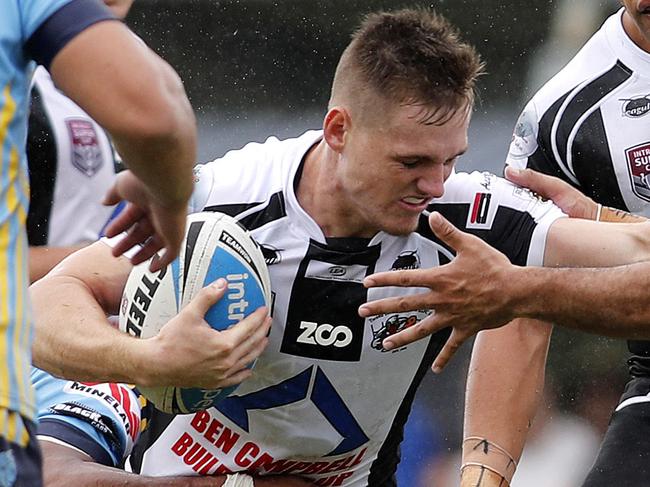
{"x": 80, "y": 43}
{"x": 72, "y": 165}
{"x": 590, "y": 126}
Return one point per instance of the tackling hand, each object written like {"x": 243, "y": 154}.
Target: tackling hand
{"x": 566, "y": 197}
{"x": 467, "y": 294}
{"x": 146, "y": 221}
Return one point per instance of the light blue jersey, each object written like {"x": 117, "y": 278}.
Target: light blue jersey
{"x": 103, "y": 420}
{"x": 26, "y": 31}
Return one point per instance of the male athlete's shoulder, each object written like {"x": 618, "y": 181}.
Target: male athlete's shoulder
{"x": 596, "y": 58}
{"x": 252, "y": 174}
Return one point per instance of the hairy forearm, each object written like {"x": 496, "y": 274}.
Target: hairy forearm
{"x": 504, "y": 387}
{"x": 613, "y": 302}
{"x": 74, "y": 339}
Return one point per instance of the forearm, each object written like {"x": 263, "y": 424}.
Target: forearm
{"x": 504, "y": 387}
{"x": 75, "y": 340}
{"x": 154, "y": 128}
{"x": 612, "y": 302}
{"x": 43, "y": 259}
{"x": 63, "y": 468}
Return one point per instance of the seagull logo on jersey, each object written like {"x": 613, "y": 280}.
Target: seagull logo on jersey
{"x": 394, "y": 324}
{"x": 84, "y": 145}
{"x": 636, "y": 107}
{"x": 638, "y": 164}
{"x": 524, "y": 137}
{"x": 406, "y": 260}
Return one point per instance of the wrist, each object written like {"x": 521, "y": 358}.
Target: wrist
{"x": 480, "y": 476}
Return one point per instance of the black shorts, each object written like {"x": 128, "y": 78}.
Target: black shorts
{"x": 624, "y": 456}
{"x": 20, "y": 456}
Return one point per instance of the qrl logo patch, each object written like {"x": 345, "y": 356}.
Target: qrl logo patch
{"x": 84, "y": 145}
{"x": 638, "y": 164}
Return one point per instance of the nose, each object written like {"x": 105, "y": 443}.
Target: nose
{"x": 432, "y": 181}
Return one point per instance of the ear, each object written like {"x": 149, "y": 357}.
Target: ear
{"x": 336, "y": 125}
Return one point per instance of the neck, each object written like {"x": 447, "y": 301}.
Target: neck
{"x": 319, "y": 195}
{"x": 633, "y": 32}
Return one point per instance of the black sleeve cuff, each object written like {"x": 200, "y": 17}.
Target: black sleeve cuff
{"x": 62, "y": 26}
{"x": 72, "y": 436}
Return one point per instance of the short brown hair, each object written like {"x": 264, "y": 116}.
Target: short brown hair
{"x": 411, "y": 57}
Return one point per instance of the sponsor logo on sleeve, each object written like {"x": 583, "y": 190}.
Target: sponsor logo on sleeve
{"x": 638, "y": 165}
{"x": 636, "y": 107}
{"x": 481, "y": 212}
{"x": 86, "y": 154}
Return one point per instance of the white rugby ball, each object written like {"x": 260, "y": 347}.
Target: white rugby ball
{"x": 215, "y": 246}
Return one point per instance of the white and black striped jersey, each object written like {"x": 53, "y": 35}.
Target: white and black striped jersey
{"x": 590, "y": 124}
{"x": 71, "y": 166}
{"x": 326, "y": 401}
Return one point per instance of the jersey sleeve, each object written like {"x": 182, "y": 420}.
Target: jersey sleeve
{"x": 102, "y": 420}
{"x": 49, "y": 25}
{"x": 531, "y": 145}
{"x": 509, "y": 218}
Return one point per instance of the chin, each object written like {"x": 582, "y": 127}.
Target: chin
{"x": 401, "y": 229}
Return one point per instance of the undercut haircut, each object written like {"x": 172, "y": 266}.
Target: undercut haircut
{"x": 409, "y": 57}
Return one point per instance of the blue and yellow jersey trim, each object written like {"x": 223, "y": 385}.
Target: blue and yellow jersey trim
{"x": 15, "y": 320}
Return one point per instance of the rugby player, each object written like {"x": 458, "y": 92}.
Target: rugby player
{"x": 327, "y": 401}
{"x": 97, "y": 62}
{"x": 587, "y": 126}
{"x": 71, "y": 164}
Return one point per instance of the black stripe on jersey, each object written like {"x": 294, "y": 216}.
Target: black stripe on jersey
{"x": 234, "y": 209}
{"x": 592, "y": 163}
{"x": 157, "y": 425}
{"x": 192, "y": 236}
{"x": 543, "y": 159}
{"x": 511, "y": 230}
{"x": 382, "y": 470}
{"x": 328, "y": 297}
{"x": 274, "y": 210}
{"x": 585, "y": 99}
{"x": 42, "y": 164}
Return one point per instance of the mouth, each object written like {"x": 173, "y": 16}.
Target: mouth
{"x": 415, "y": 203}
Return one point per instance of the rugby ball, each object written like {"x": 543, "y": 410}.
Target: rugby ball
{"x": 215, "y": 246}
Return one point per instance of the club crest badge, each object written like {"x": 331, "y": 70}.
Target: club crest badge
{"x": 86, "y": 154}
{"x": 638, "y": 165}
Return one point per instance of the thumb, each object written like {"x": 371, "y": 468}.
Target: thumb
{"x": 208, "y": 296}
{"x": 446, "y": 232}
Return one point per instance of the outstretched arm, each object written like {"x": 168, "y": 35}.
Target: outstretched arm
{"x": 480, "y": 289}
{"x": 143, "y": 106}
{"x": 64, "y": 466}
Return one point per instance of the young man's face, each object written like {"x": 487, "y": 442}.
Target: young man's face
{"x": 391, "y": 168}
{"x": 638, "y": 24}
